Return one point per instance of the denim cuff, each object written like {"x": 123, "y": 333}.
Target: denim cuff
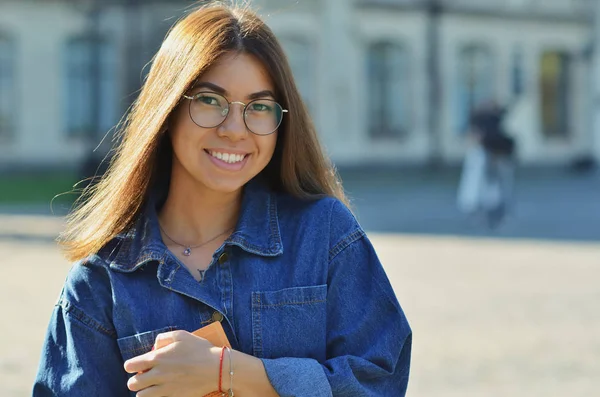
{"x": 298, "y": 377}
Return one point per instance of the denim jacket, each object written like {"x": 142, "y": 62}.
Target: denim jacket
{"x": 297, "y": 285}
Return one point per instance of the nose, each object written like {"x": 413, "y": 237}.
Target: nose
{"x": 233, "y": 128}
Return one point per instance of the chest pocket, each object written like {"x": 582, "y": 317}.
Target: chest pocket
{"x": 132, "y": 346}
{"x": 290, "y": 322}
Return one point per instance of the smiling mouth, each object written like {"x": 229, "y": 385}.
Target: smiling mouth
{"x": 230, "y": 158}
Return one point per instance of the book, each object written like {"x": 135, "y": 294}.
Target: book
{"x": 214, "y": 333}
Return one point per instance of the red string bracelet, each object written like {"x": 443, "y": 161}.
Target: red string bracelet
{"x": 221, "y": 370}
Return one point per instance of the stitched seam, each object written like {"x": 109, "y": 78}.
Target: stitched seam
{"x": 261, "y": 339}
{"x": 256, "y": 325}
{"x": 169, "y": 280}
{"x": 345, "y": 242}
{"x": 274, "y": 249}
{"x": 123, "y": 247}
{"x": 141, "y": 261}
{"x": 273, "y": 221}
{"x": 294, "y": 303}
{"x": 81, "y": 317}
{"x": 145, "y": 346}
{"x": 231, "y": 296}
{"x": 116, "y": 251}
{"x": 245, "y": 244}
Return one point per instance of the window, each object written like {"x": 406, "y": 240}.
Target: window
{"x": 476, "y": 79}
{"x": 7, "y": 88}
{"x": 299, "y": 53}
{"x": 90, "y": 92}
{"x": 388, "y": 101}
{"x": 555, "y": 93}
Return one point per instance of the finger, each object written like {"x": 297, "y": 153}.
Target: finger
{"x": 143, "y": 381}
{"x": 153, "y": 391}
{"x": 140, "y": 363}
{"x": 168, "y": 338}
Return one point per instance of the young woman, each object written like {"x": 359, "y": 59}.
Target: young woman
{"x": 220, "y": 205}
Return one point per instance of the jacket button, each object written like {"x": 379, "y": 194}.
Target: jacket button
{"x": 216, "y": 316}
{"x": 223, "y": 258}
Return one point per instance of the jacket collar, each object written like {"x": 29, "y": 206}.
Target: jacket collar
{"x": 257, "y": 231}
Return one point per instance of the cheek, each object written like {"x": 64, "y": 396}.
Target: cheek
{"x": 267, "y": 145}
{"x": 178, "y": 140}
{"x": 185, "y": 149}
{"x": 185, "y": 137}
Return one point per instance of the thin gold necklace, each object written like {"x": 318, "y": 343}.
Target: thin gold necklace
{"x": 187, "y": 251}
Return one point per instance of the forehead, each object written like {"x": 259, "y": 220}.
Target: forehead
{"x": 239, "y": 74}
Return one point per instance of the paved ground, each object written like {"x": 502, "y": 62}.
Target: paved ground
{"x": 512, "y": 315}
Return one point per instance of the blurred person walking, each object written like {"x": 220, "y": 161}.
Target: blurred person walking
{"x": 487, "y": 178}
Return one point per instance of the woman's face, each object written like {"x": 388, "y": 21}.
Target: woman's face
{"x": 225, "y": 157}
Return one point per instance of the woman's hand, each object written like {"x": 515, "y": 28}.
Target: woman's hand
{"x": 181, "y": 364}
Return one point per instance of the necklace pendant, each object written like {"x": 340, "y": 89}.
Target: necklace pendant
{"x": 187, "y": 251}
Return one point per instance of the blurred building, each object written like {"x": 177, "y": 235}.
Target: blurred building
{"x": 387, "y": 81}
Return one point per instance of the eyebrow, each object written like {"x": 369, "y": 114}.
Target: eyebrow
{"x": 223, "y": 91}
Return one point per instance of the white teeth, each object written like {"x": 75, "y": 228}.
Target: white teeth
{"x": 228, "y": 157}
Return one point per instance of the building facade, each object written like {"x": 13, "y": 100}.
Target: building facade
{"x": 386, "y": 81}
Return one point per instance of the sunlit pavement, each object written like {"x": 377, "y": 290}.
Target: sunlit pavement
{"x": 490, "y": 317}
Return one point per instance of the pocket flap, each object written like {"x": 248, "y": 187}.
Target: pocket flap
{"x": 292, "y": 296}
{"x": 135, "y": 345}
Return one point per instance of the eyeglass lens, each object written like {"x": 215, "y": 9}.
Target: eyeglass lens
{"x": 262, "y": 116}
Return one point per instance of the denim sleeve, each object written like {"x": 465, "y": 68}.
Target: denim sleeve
{"x": 80, "y": 355}
{"x": 368, "y": 336}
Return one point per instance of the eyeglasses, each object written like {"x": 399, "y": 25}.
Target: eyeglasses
{"x": 261, "y": 116}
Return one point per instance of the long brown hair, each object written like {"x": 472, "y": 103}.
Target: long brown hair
{"x": 298, "y": 166}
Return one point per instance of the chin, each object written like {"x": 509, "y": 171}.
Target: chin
{"x": 224, "y": 185}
